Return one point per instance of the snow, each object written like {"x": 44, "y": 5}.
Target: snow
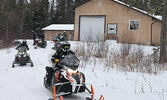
{"x": 59, "y": 27}
{"x": 158, "y": 17}
{"x": 26, "y": 83}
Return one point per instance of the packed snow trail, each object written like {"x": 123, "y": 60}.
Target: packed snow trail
{"x": 26, "y": 83}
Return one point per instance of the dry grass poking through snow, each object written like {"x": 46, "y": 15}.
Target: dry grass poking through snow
{"x": 126, "y": 58}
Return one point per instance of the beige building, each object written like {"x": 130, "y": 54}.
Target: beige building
{"x": 115, "y": 20}
{"x": 54, "y": 29}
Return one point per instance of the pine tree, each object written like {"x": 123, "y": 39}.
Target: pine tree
{"x": 64, "y": 13}
{"x": 37, "y": 15}
{"x": 21, "y": 14}
{"x": 156, "y": 7}
{"x": 52, "y": 11}
{"x": 76, "y": 2}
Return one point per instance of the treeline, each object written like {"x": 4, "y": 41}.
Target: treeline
{"x": 20, "y": 17}
{"x": 151, "y": 6}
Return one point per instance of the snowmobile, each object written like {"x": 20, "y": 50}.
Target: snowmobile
{"x": 59, "y": 38}
{"x": 40, "y": 43}
{"x": 22, "y": 57}
{"x": 67, "y": 80}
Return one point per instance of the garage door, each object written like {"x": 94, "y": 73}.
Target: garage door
{"x": 92, "y": 28}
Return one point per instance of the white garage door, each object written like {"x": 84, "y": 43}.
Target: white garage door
{"x": 92, "y": 28}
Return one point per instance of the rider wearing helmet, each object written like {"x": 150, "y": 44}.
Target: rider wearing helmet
{"x": 23, "y": 44}
{"x": 66, "y": 48}
{"x": 62, "y": 49}
{"x": 64, "y": 34}
{"x": 55, "y": 61}
{"x": 58, "y": 54}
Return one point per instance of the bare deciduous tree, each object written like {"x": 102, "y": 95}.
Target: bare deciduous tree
{"x": 163, "y": 35}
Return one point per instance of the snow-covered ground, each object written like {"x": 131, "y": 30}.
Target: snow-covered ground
{"x": 26, "y": 83}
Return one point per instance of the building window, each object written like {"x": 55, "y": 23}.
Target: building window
{"x": 134, "y": 24}
{"x": 100, "y": 3}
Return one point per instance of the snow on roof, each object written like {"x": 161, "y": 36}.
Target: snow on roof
{"x": 59, "y": 27}
{"x": 142, "y": 11}
{"x": 158, "y": 17}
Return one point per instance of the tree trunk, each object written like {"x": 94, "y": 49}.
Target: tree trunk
{"x": 21, "y": 24}
{"x": 163, "y": 36}
{"x": 7, "y": 28}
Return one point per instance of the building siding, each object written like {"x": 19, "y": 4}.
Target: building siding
{"x": 119, "y": 14}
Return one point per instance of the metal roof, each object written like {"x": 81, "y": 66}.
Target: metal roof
{"x": 59, "y": 27}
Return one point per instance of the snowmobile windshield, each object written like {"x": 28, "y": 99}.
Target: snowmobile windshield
{"x": 70, "y": 61}
{"x": 22, "y": 49}
{"x": 39, "y": 39}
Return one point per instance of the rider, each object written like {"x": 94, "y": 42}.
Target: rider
{"x": 42, "y": 36}
{"x": 61, "y": 51}
{"x": 34, "y": 37}
{"x": 55, "y": 60}
{"x": 58, "y": 55}
{"x": 23, "y": 44}
{"x": 64, "y": 35}
{"x": 58, "y": 36}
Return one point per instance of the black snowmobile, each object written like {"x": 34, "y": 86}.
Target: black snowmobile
{"x": 39, "y": 42}
{"x": 22, "y": 57}
{"x": 67, "y": 80}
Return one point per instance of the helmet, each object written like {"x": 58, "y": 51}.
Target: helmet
{"x": 64, "y": 31}
{"x": 66, "y": 46}
{"x": 57, "y": 45}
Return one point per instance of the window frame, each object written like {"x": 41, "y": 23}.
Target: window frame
{"x": 135, "y": 29}
{"x": 100, "y": 3}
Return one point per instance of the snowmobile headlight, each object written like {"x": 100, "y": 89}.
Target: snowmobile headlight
{"x": 56, "y": 60}
{"x": 21, "y": 53}
{"x": 72, "y": 71}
